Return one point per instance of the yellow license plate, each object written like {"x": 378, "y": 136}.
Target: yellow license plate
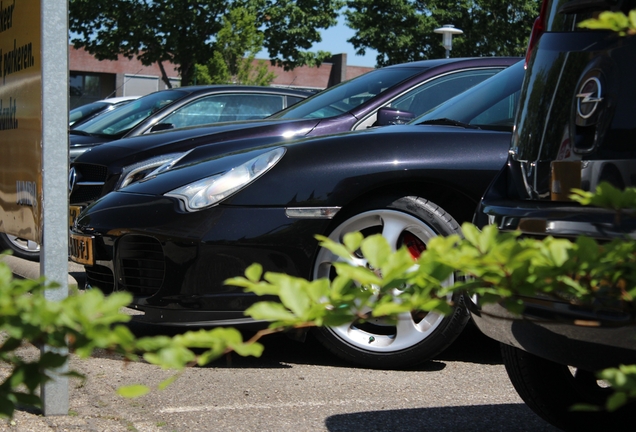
{"x": 73, "y": 213}
{"x": 81, "y": 249}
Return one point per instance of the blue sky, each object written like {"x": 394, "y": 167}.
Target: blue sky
{"x": 334, "y": 40}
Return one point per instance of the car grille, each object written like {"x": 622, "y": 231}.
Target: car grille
{"x": 141, "y": 264}
{"x": 100, "y": 277}
{"x": 90, "y": 180}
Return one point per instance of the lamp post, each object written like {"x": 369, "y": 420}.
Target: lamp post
{"x": 447, "y": 31}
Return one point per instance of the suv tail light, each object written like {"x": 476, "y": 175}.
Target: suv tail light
{"x": 537, "y": 30}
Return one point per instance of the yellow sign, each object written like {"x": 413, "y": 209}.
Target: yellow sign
{"x": 20, "y": 119}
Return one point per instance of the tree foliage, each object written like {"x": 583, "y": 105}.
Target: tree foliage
{"x": 185, "y": 32}
{"x": 403, "y": 30}
{"x": 233, "y": 60}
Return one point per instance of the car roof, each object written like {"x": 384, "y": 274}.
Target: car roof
{"x": 238, "y": 88}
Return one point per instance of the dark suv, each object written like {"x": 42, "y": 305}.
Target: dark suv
{"x": 575, "y": 127}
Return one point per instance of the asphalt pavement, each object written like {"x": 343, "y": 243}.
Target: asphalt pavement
{"x": 294, "y": 386}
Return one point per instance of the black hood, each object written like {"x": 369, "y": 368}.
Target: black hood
{"x": 129, "y": 150}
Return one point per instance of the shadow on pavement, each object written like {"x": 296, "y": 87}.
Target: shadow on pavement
{"x": 282, "y": 351}
{"x": 507, "y": 417}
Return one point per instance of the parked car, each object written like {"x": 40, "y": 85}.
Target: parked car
{"x": 574, "y": 128}
{"x": 384, "y": 96}
{"x": 164, "y": 110}
{"x": 182, "y": 106}
{"x": 79, "y": 115}
{"x": 173, "y": 238}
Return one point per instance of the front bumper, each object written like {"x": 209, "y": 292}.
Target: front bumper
{"x": 175, "y": 263}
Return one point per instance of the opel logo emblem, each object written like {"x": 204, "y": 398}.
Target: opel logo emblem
{"x": 588, "y": 98}
{"x": 72, "y": 179}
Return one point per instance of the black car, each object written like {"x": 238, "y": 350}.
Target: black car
{"x": 163, "y": 110}
{"x": 395, "y": 94}
{"x": 172, "y": 238}
{"x": 576, "y": 127}
{"x": 181, "y": 107}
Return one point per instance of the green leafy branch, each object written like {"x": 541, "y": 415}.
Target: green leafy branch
{"x": 81, "y": 323}
{"x": 499, "y": 267}
{"x": 618, "y": 22}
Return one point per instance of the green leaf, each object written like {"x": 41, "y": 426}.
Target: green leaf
{"x": 171, "y": 357}
{"x": 361, "y": 275}
{"x": 133, "y": 391}
{"x": 253, "y": 349}
{"x": 153, "y": 343}
{"x": 376, "y": 250}
{"x": 165, "y": 383}
{"x": 352, "y": 240}
{"x": 293, "y": 294}
{"x": 7, "y": 406}
{"x": 616, "y": 401}
{"x": 27, "y": 399}
{"x": 584, "y": 407}
{"x": 270, "y": 311}
{"x": 254, "y": 272}
{"x": 336, "y": 248}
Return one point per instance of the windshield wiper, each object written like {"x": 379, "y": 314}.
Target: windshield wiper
{"x": 79, "y": 132}
{"x": 449, "y": 122}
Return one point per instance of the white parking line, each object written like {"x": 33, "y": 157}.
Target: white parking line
{"x": 260, "y": 406}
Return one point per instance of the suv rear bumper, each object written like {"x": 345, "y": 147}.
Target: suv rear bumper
{"x": 556, "y": 219}
{"x": 562, "y": 333}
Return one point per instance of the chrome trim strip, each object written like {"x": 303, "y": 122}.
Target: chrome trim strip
{"x": 89, "y": 183}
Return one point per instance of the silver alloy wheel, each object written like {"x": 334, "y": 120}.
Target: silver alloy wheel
{"x": 24, "y": 245}
{"x": 379, "y": 335}
{"x": 20, "y": 248}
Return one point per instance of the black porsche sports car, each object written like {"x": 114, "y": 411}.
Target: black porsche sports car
{"x": 174, "y": 237}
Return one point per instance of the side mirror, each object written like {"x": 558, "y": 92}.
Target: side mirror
{"x": 161, "y": 127}
{"x": 391, "y": 116}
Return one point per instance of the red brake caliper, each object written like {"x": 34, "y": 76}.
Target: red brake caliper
{"x": 413, "y": 244}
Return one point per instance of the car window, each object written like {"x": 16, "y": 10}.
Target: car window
{"x": 291, "y": 100}
{"x": 440, "y": 89}
{"x": 86, "y": 111}
{"x": 225, "y": 107}
{"x": 349, "y": 94}
{"x": 490, "y": 105}
{"x": 124, "y": 118}
{"x": 502, "y": 113}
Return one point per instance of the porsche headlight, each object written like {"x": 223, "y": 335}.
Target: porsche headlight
{"x": 141, "y": 170}
{"x": 211, "y": 190}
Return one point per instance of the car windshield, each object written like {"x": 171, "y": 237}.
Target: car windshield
{"x": 347, "y": 95}
{"x": 86, "y": 111}
{"x": 120, "y": 120}
{"x": 491, "y": 104}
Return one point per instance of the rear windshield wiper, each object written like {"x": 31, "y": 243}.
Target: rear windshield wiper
{"x": 449, "y": 122}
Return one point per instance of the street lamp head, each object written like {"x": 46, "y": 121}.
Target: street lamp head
{"x": 447, "y": 31}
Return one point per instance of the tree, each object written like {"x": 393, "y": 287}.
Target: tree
{"x": 237, "y": 44}
{"x": 185, "y": 32}
{"x": 403, "y": 30}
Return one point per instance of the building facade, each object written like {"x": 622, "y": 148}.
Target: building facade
{"x": 91, "y": 79}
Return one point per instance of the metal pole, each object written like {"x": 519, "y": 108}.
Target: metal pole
{"x": 54, "y": 250}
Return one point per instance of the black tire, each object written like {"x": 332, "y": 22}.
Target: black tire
{"x": 551, "y": 389}
{"x": 378, "y": 344}
{"x": 20, "y": 248}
